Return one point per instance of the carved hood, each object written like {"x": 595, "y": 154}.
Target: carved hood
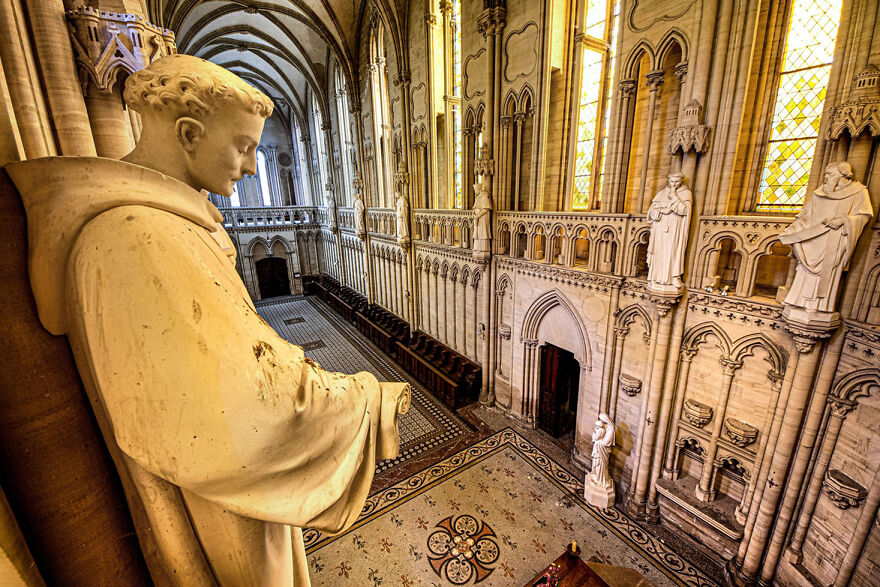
{"x": 63, "y": 194}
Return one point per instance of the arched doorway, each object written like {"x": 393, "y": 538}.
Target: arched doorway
{"x": 559, "y": 386}
{"x": 272, "y": 277}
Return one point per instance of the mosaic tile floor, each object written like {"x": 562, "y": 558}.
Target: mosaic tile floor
{"x": 337, "y": 346}
{"x": 495, "y": 513}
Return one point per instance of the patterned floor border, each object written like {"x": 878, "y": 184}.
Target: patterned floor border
{"x": 676, "y": 567}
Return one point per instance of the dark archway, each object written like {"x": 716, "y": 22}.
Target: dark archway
{"x": 560, "y": 374}
{"x": 272, "y": 277}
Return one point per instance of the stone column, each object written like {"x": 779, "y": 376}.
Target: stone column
{"x": 653, "y": 80}
{"x": 620, "y": 333}
{"x": 839, "y": 408}
{"x": 863, "y": 528}
{"x": 745, "y": 504}
{"x": 806, "y": 337}
{"x": 56, "y": 63}
{"x": 441, "y": 294}
{"x": 670, "y": 471}
{"x": 704, "y": 490}
{"x": 531, "y": 370}
{"x": 617, "y": 187}
{"x": 24, "y": 85}
{"x": 654, "y": 394}
{"x": 453, "y": 340}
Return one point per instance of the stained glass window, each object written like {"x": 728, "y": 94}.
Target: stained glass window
{"x": 809, "y": 50}
{"x": 457, "y": 154}
{"x": 263, "y": 178}
{"x": 595, "y": 99}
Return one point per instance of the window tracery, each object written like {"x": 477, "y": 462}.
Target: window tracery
{"x": 803, "y": 81}
{"x": 598, "y": 39}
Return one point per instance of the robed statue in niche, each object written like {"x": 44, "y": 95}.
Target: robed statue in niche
{"x": 669, "y": 216}
{"x": 228, "y": 440}
{"x": 824, "y": 236}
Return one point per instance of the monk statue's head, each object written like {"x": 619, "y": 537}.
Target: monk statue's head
{"x": 675, "y": 180}
{"x": 837, "y": 175}
{"x": 200, "y": 123}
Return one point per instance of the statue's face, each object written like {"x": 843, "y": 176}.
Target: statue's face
{"x": 674, "y": 181}
{"x": 832, "y": 176}
{"x": 228, "y": 149}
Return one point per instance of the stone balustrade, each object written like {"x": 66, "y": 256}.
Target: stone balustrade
{"x": 268, "y": 216}
{"x": 445, "y": 227}
{"x": 382, "y": 221}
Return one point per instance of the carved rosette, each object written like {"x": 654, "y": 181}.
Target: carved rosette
{"x": 697, "y": 413}
{"x": 843, "y": 490}
{"x": 740, "y": 433}
{"x": 109, "y": 43}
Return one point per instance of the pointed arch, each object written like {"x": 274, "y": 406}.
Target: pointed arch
{"x": 541, "y": 307}
{"x": 857, "y": 384}
{"x": 699, "y": 334}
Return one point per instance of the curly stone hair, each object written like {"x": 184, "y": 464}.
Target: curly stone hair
{"x": 190, "y": 86}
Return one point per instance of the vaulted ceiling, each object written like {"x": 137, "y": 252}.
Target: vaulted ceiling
{"x": 283, "y": 47}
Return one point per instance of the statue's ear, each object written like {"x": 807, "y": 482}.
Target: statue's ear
{"x": 189, "y": 132}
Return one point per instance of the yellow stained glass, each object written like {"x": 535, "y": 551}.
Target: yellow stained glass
{"x": 597, "y": 73}
{"x": 797, "y": 115}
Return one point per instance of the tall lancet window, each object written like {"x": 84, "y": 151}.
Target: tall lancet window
{"x": 318, "y": 120}
{"x": 457, "y": 155}
{"x": 263, "y": 178}
{"x": 234, "y": 199}
{"x": 346, "y": 146}
{"x": 806, "y": 66}
{"x": 597, "y": 71}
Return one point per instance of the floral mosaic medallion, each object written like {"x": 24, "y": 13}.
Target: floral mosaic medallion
{"x": 462, "y": 549}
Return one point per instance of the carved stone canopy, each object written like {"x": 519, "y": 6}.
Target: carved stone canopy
{"x": 861, "y": 111}
{"x": 697, "y": 413}
{"x": 740, "y": 433}
{"x": 629, "y": 385}
{"x": 843, "y": 490}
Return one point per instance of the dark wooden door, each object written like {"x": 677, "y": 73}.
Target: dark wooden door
{"x": 557, "y": 402}
{"x": 272, "y": 277}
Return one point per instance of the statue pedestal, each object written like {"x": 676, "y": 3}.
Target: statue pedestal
{"x": 598, "y": 496}
{"x": 665, "y": 289}
{"x": 811, "y": 318}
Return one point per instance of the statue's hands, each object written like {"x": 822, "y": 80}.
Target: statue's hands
{"x": 833, "y": 223}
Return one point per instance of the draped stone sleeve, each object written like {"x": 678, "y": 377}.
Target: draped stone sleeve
{"x": 200, "y": 391}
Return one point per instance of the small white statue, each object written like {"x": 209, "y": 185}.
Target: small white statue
{"x": 360, "y": 222}
{"x": 669, "y": 216}
{"x": 331, "y": 206}
{"x": 402, "y": 206}
{"x": 824, "y": 236}
{"x": 482, "y": 221}
{"x": 599, "y": 487}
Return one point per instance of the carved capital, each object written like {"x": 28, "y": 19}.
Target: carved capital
{"x": 654, "y": 79}
{"x": 664, "y": 302}
{"x": 531, "y": 343}
{"x": 688, "y": 354}
{"x": 431, "y": 19}
{"x": 681, "y": 71}
{"x": 806, "y": 337}
{"x": 445, "y": 7}
{"x": 627, "y": 88}
{"x": 730, "y": 367}
{"x": 621, "y": 331}
{"x": 403, "y": 78}
{"x": 840, "y": 407}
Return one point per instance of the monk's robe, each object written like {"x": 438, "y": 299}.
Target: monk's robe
{"x": 228, "y": 440}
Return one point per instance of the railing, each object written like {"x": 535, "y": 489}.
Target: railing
{"x": 268, "y": 216}
{"x": 382, "y": 221}
{"x": 446, "y": 227}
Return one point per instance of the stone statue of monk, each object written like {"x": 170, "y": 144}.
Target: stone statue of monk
{"x": 227, "y": 439}
{"x": 669, "y": 216}
{"x": 824, "y": 236}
